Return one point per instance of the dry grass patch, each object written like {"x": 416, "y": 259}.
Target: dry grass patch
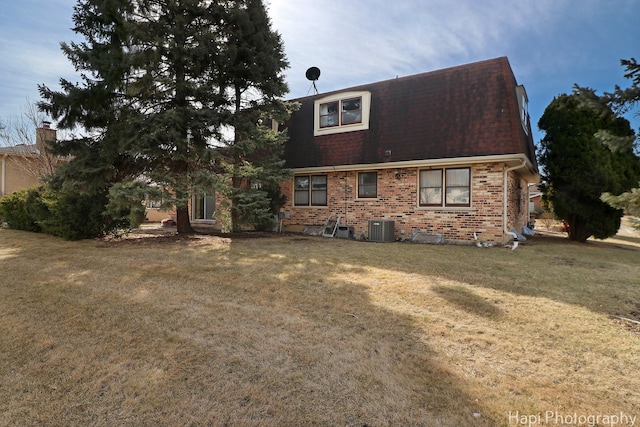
{"x": 294, "y": 330}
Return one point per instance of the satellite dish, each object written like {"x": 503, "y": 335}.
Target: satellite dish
{"x": 313, "y": 74}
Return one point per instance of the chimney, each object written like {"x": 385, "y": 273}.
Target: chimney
{"x": 45, "y": 134}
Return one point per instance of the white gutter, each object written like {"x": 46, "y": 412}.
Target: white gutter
{"x": 519, "y": 159}
{"x": 504, "y": 199}
{"x": 523, "y": 162}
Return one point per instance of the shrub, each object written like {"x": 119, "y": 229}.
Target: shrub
{"x": 21, "y": 210}
{"x": 66, "y": 214}
{"x": 76, "y": 216}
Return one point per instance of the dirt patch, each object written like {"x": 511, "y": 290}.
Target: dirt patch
{"x": 156, "y": 234}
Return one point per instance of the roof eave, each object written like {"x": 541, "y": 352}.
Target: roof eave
{"x": 528, "y": 170}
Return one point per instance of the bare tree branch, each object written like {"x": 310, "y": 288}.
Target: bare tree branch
{"x": 24, "y": 140}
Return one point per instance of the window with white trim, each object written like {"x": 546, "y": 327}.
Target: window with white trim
{"x": 523, "y": 104}
{"x": 367, "y": 185}
{"x": 342, "y": 112}
{"x": 449, "y": 187}
{"x": 310, "y": 190}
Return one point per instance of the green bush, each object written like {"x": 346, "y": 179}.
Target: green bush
{"x": 253, "y": 207}
{"x": 20, "y": 210}
{"x": 66, "y": 214}
{"x": 76, "y": 216}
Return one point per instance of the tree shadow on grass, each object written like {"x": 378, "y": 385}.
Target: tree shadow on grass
{"x": 244, "y": 334}
{"x": 466, "y": 300}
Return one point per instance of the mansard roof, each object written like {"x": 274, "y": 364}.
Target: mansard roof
{"x": 465, "y": 111}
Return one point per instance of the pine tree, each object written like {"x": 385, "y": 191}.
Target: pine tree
{"x": 587, "y": 150}
{"x": 253, "y": 78}
{"x": 160, "y": 82}
{"x": 622, "y": 101}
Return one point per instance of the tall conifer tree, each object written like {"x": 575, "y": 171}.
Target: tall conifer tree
{"x": 154, "y": 97}
{"x": 622, "y": 101}
{"x": 253, "y": 78}
{"x": 586, "y": 150}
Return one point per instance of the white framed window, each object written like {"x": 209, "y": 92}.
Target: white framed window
{"x": 431, "y": 187}
{"x": 204, "y": 207}
{"x": 329, "y": 114}
{"x": 270, "y": 124}
{"x": 523, "y": 104}
{"x": 367, "y": 185}
{"x": 445, "y": 187}
{"x": 153, "y": 203}
{"x": 343, "y": 112}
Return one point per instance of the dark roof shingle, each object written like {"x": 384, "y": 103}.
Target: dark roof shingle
{"x": 465, "y": 111}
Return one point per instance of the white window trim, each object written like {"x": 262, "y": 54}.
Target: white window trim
{"x": 193, "y": 204}
{"x": 365, "y": 106}
{"x": 523, "y": 105}
{"x": 358, "y": 196}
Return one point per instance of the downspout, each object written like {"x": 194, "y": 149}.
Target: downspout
{"x": 3, "y": 175}
{"x": 346, "y": 195}
{"x": 504, "y": 199}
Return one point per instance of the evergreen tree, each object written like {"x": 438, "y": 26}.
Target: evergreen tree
{"x": 624, "y": 100}
{"x": 628, "y": 201}
{"x": 155, "y": 94}
{"x": 253, "y": 78}
{"x": 587, "y": 150}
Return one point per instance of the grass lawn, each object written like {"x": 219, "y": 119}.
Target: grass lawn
{"x": 293, "y": 330}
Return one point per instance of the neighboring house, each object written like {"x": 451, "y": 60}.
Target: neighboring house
{"x": 23, "y": 166}
{"x": 535, "y": 199}
{"x": 447, "y": 152}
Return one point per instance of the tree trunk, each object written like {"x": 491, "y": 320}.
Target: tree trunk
{"x": 235, "y": 178}
{"x": 234, "y": 202}
{"x": 578, "y": 230}
{"x": 182, "y": 220}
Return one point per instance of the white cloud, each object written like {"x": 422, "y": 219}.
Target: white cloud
{"x": 357, "y": 41}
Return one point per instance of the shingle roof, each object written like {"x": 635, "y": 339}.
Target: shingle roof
{"x": 20, "y": 150}
{"x": 465, "y": 111}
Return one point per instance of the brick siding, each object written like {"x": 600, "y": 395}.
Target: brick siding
{"x": 398, "y": 201}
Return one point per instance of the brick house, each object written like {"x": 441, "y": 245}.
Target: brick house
{"x": 447, "y": 152}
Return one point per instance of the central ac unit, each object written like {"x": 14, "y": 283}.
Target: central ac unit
{"x": 381, "y": 230}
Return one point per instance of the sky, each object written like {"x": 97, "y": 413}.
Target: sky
{"x": 551, "y": 44}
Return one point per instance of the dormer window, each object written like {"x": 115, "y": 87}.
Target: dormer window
{"x": 523, "y": 104}
{"x": 344, "y": 112}
{"x": 329, "y": 114}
